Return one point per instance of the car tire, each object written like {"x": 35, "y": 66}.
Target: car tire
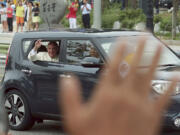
{"x": 18, "y": 111}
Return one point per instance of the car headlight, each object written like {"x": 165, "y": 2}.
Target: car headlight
{"x": 160, "y": 86}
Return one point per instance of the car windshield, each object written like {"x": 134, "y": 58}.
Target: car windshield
{"x": 167, "y": 57}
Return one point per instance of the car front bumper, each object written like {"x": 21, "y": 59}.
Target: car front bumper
{"x": 172, "y": 115}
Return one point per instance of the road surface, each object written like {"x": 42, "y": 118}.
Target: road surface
{"x": 46, "y": 128}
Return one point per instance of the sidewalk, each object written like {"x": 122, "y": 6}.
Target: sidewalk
{"x": 14, "y": 27}
{"x": 172, "y": 42}
{"x": 6, "y": 38}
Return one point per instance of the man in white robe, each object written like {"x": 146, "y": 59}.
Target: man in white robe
{"x": 50, "y": 55}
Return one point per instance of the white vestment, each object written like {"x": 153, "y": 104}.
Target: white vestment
{"x": 42, "y": 56}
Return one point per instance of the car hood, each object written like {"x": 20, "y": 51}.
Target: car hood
{"x": 167, "y": 73}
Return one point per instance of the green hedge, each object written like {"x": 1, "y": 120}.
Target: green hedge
{"x": 3, "y": 48}
{"x": 128, "y": 17}
{"x": 165, "y": 20}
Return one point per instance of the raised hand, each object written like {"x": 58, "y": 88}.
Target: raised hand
{"x": 120, "y": 105}
{"x": 37, "y": 45}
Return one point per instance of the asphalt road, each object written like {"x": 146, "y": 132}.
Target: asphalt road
{"x": 47, "y": 128}
{"x": 171, "y": 133}
{"x": 54, "y": 128}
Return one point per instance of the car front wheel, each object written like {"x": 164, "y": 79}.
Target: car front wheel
{"x": 19, "y": 113}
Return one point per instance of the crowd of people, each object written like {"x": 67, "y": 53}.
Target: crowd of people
{"x": 25, "y": 14}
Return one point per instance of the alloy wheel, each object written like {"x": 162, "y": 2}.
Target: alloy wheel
{"x": 15, "y": 109}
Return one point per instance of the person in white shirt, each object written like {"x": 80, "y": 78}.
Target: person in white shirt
{"x": 86, "y": 10}
{"x": 3, "y": 14}
{"x": 50, "y": 55}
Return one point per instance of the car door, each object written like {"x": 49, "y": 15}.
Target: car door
{"x": 44, "y": 75}
{"x": 77, "y": 51}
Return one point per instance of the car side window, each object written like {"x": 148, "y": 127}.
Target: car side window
{"x": 45, "y": 50}
{"x": 78, "y": 51}
{"x": 26, "y": 45}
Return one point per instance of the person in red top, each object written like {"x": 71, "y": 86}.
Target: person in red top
{"x": 10, "y": 17}
{"x": 72, "y": 15}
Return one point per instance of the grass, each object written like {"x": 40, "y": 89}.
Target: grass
{"x": 4, "y": 48}
{"x": 167, "y": 36}
{"x": 3, "y": 51}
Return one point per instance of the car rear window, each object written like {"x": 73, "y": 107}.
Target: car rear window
{"x": 26, "y": 45}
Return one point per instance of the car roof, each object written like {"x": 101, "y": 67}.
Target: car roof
{"x": 76, "y": 34}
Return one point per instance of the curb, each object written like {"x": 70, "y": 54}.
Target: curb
{"x": 7, "y": 35}
{"x": 6, "y": 38}
{"x": 172, "y": 42}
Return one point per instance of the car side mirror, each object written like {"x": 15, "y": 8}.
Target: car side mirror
{"x": 92, "y": 62}
{"x": 92, "y": 65}
{"x": 177, "y": 53}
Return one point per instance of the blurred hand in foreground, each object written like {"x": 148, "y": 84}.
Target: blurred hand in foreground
{"x": 119, "y": 105}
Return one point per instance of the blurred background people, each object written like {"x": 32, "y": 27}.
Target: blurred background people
{"x": 25, "y": 4}
{"x": 86, "y": 10}
{"x": 29, "y": 16}
{"x": 3, "y": 13}
{"x": 156, "y": 4}
{"x": 20, "y": 16}
{"x": 123, "y": 3}
{"x": 36, "y": 18}
{"x": 10, "y": 17}
{"x": 14, "y": 10}
{"x": 73, "y": 8}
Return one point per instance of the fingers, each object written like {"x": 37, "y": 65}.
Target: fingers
{"x": 163, "y": 102}
{"x": 38, "y": 43}
{"x": 114, "y": 64}
{"x": 137, "y": 58}
{"x": 110, "y": 74}
{"x": 152, "y": 69}
{"x": 154, "y": 63}
{"x": 70, "y": 97}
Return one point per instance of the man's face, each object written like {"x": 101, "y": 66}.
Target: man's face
{"x": 84, "y": 1}
{"x": 30, "y": 5}
{"x": 20, "y": 3}
{"x": 52, "y": 50}
{"x": 94, "y": 53}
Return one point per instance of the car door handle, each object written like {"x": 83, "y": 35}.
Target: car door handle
{"x": 26, "y": 71}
